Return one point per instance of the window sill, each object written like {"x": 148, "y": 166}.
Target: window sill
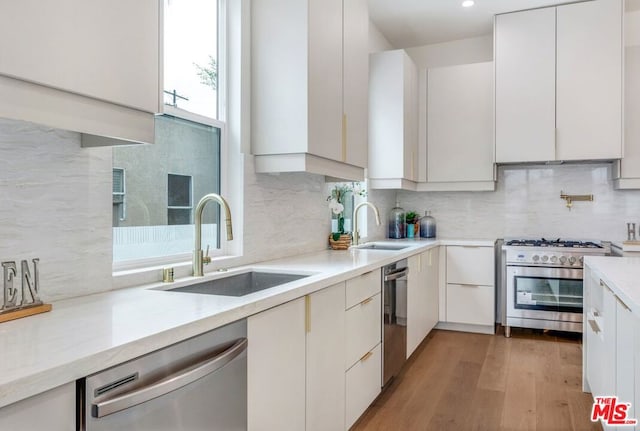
{"x": 153, "y": 274}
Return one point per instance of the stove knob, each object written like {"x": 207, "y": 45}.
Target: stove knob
{"x": 554, "y": 259}
{"x": 581, "y": 260}
{"x": 545, "y": 258}
{"x": 563, "y": 259}
{"x": 536, "y": 258}
{"x": 572, "y": 260}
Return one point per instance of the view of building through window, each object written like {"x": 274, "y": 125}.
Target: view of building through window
{"x": 156, "y": 187}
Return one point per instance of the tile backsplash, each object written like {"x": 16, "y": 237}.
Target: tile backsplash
{"x": 527, "y": 203}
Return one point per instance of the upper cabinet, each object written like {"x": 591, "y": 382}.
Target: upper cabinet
{"x": 627, "y": 172}
{"x": 393, "y": 120}
{"x": 86, "y": 66}
{"x": 300, "y": 113}
{"x": 558, "y": 81}
{"x": 460, "y": 145}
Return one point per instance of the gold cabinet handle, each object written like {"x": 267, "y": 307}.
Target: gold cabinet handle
{"x": 366, "y": 356}
{"x": 366, "y": 301}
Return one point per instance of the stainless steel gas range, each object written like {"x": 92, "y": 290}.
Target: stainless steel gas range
{"x": 542, "y": 285}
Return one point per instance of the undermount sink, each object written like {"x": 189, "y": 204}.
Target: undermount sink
{"x": 374, "y": 246}
{"x": 240, "y": 284}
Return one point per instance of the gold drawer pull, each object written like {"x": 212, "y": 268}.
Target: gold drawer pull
{"x": 366, "y": 301}
{"x": 366, "y": 356}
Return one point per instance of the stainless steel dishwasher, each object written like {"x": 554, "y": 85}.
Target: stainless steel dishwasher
{"x": 394, "y": 318}
{"x": 195, "y": 385}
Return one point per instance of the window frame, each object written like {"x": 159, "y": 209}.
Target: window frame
{"x": 224, "y": 252}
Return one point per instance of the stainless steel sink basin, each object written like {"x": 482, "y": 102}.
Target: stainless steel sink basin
{"x": 240, "y": 284}
{"x": 374, "y": 246}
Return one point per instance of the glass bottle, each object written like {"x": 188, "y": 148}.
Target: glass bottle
{"x": 427, "y": 226}
{"x": 397, "y": 222}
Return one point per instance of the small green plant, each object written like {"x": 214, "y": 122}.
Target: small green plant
{"x": 412, "y": 217}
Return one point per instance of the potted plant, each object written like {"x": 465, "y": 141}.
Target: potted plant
{"x": 413, "y": 224}
{"x": 340, "y": 239}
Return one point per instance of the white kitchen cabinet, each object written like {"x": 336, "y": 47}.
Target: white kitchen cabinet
{"x": 559, "y": 83}
{"x": 626, "y": 324}
{"x": 296, "y": 364}
{"x": 393, "y": 121}
{"x": 627, "y": 170}
{"x": 276, "y": 368}
{"x": 325, "y": 362}
{"x": 51, "y": 410}
{"x": 460, "y": 142}
{"x": 468, "y": 289}
{"x": 422, "y": 297}
{"x": 355, "y": 98}
{"x": 298, "y": 121}
{"x": 363, "y": 323}
{"x": 63, "y": 65}
{"x": 363, "y": 382}
{"x": 363, "y": 359}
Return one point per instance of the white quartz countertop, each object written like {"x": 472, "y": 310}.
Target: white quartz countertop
{"x": 622, "y": 275}
{"x": 84, "y": 335}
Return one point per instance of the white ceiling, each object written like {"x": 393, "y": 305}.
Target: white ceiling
{"x": 407, "y": 23}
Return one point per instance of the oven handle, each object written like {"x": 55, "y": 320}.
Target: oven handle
{"x": 170, "y": 383}
{"x": 396, "y": 275}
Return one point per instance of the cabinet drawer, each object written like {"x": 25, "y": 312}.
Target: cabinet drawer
{"x": 364, "y": 382}
{"x": 471, "y": 304}
{"x": 363, "y": 322}
{"x": 363, "y": 287}
{"x": 470, "y": 265}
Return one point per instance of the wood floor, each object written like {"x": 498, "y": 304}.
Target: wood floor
{"x": 461, "y": 381}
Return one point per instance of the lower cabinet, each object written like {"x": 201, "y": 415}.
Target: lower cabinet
{"x": 363, "y": 358}
{"x": 468, "y": 289}
{"x": 315, "y": 363}
{"x": 295, "y": 364}
{"x": 611, "y": 341}
{"x": 422, "y": 297}
{"x": 51, "y": 410}
{"x": 363, "y": 384}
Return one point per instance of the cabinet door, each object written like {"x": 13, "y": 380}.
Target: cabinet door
{"x": 51, "y": 410}
{"x": 525, "y": 51}
{"x": 460, "y": 142}
{"x": 626, "y": 323}
{"x": 410, "y": 119}
{"x": 356, "y": 81}
{"x": 470, "y": 265}
{"x": 363, "y": 384}
{"x": 430, "y": 268}
{"x": 416, "y": 304}
{"x": 589, "y": 80}
{"x": 276, "y": 361}
{"x": 72, "y": 45}
{"x": 325, "y": 401}
{"x": 470, "y": 304}
{"x": 325, "y": 78}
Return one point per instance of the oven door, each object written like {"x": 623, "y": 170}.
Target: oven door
{"x": 545, "y": 293}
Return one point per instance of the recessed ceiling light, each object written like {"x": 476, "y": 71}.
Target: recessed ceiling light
{"x": 468, "y": 3}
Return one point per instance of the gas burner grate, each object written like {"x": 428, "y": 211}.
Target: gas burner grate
{"x": 552, "y": 243}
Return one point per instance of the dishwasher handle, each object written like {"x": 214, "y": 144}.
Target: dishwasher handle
{"x": 170, "y": 383}
{"x": 396, "y": 275}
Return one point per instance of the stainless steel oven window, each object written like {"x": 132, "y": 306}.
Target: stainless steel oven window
{"x": 549, "y": 294}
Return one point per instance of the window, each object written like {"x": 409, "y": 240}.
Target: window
{"x": 119, "y": 210}
{"x": 179, "y": 199}
{"x": 164, "y": 181}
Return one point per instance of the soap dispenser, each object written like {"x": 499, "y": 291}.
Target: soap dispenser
{"x": 397, "y": 222}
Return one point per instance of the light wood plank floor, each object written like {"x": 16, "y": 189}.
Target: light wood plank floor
{"x": 460, "y": 381}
